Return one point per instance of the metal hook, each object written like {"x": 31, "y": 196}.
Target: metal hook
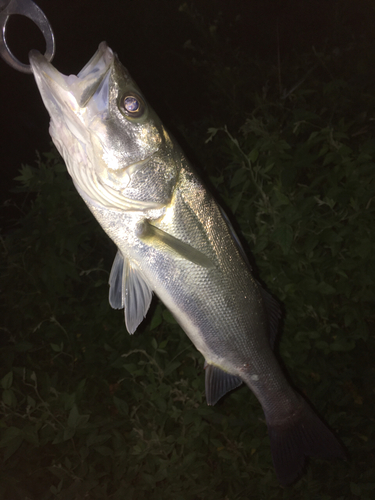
{"x": 32, "y": 11}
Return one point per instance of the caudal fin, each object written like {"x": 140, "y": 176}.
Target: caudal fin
{"x": 304, "y": 435}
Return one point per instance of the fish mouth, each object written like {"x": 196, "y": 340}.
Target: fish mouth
{"x": 74, "y": 91}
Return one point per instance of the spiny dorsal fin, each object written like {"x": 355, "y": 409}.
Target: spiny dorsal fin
{"x": 218, "y": 383}
{"x": 184, "y": 250}
{"x": 273, "y": 313}
{"x": 235, "y": 238}
{"x": 128, "y": 290}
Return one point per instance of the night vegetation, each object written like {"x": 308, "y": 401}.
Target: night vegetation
{"x": 88, "y": 411}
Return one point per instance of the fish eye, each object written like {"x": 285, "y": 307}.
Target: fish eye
{"x": 132, "y": 105}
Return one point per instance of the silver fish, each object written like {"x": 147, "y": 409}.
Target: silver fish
{"x": 174, "y": 240}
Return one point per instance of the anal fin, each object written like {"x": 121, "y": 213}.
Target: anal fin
{"x": 218, "y": 383}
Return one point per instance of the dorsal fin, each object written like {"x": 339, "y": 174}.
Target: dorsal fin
{"x": 271, "y": 305}
{"x": 128, "y": 290}
{"x": 235, "y": 238}
{"x": 218, "y": 383}
{"x": 273, "y": 314}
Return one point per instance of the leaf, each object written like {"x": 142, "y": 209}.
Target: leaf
{"x": 7, "y": 380}
{"x": 12, "y": 448}
{"x": 157, "y": 318}
{"x": 57, "y": 348}
{"x": 355, "y": 489}
{"x": 261, "y": 244}
{"x": 236, "y": 201}
{"x": 171, "y": 367}
{"x": 281, "y": 197}
{"x": 68, "y": 433}
{"x": 9, "y": 434}
{"x": 121, "y": 405}
{"x": 27, "y": 173}
{"x": 212, "y": 132}
{"x": 31, "y": 401}
{"x": 23, "y": 346}
{"x": 239, "y": 177}
{"x": 68, "y": 400}
{"x": 105, "y": 451}
{"x": 95, "y": 440}
{"x": 253, "y": 155}
{"x": 30, "y": 434}
{"x": 9, "y": 398}
{"x": 73, "y": 418}
{"x": 168, "y": 317}
{"x": 325, "y": 288}
{"x": 161, "y": 404}
{"x": 343, "y": 345}
{"x": 283, "y": 235}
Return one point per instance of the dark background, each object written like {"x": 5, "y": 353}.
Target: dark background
{"x": 178, "y": 59}
{"x": 149, "y": 36}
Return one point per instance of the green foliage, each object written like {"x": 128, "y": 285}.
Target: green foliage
{"x": 88, "y": 411}
{"x": 311, "y": 223}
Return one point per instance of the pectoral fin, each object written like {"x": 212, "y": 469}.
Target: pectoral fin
{"x": 129, "y": 291}
{"x": 115, "y": 282}
{"x": 182, "y": 249}
{"x": 218, "y": 383}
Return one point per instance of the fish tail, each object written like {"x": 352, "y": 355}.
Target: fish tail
{"x": 297, "y": 437}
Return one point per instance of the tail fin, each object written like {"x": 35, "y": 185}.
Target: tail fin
{"x": 304, "y": 435}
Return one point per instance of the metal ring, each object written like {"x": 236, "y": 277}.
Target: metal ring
{"x": 28, "y": 9}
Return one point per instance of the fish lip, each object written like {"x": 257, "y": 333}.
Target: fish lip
{"x": 53, "y": 84}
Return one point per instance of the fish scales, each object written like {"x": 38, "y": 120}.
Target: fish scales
{"x": 174, "y": 240}
{"x": 192, "y": 285}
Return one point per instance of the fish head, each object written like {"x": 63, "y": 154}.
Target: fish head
{"x": 106, "y": 132}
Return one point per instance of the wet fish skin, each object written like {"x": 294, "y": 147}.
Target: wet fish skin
{"x": 173, "y": 239}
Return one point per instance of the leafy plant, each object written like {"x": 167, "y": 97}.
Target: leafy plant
{"x": 88, "y": 411}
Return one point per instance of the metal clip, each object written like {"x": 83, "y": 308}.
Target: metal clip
{"x": 32, "y": 11}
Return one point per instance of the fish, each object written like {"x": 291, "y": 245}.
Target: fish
{"x": 174, "y": 240}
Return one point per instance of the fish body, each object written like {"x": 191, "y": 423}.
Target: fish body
{"x": 174, "y": 240}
